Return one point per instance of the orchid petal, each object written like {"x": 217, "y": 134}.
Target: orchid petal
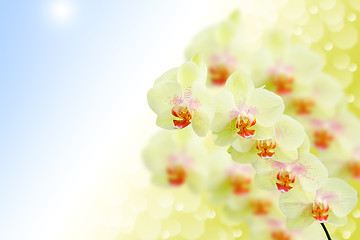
{"x": 285, "y": 156}
{"x": 294, "y": 203}
{"x": 311, "y": 172}
{"x": 265, "y": 182}
{"x": 306, "y": 63}
{"x": 263, "y": 133}
{"x": 243, "y": 145}
{"x": 327, "y": 91}
{"x": 239, "y": 84}
{"x": 304, "y": 220}
{"x": 188, "y": 73}
{"x": 243, "y": 157}
{"x": 224, "y": 104}
{"x": 335, "y": 220}
{"x": 341, "y": 197}
{"x": 290, "y": 134}
{"x": 160, "y": 97}
{"x": 227, "y": 135}
{"x": 268, "y": 107}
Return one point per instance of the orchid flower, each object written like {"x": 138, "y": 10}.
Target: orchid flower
{"x": 318, "y": 98}
{"x": 282, "y": 66}
{"x": 179, "y": 98}
{"x": 329, "y": 204}
{"x": 306, "y": 172}
{"x": 243, "y": 111}
{"x": 228, "y": 179}
{"x": 342, "y": 129}
{"x": 282, "y": 147}
{"x": 176, "y": 159}
{"x": 222, "y": 48}
{"x": 255, "y": 209}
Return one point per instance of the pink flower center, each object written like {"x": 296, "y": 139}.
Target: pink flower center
{"x": 243, "y": 123}
{"x": 240, "y": 184}
{"x": 265, "y": 146}
{"x": 219, "y": 74}
{"x": 182, "y": 116}
{"x": 319, "y": 211}
{"x": 261, "y": 206}
{"x": 176, "y": 175}
{"x": 323, "y": 139}
{"x": 304, "y": 106}
{"x": 280, "y": 235}
{"x": 285, "y": 179}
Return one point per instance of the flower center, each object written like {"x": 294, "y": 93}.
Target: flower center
{"x": 265, "y": 146}
{"x": 261, "y": 206}
{"x": 319, "y": 211}
{"x": 304, "y": 106}
{"x": 240, "y": 184}
{"x": 323, "y": 139}
{"x": 176, "y": 175}
{"x": 285, "y": 178}
{"x": 283, "y": 83}
{"x": 280, "y": 235}
{"x": 219, "y": 74}
{"x": 182, "y": 116}
{"x": 354, "y": 168}
{"x": 243, "y": 123}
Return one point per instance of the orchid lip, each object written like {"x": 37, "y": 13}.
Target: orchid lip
{"x": 323, "y": 139}
{"x": 243, "y": 123}
{"x": 261, "y": 207}
{"x": 280, "y": 235}
{"x": 319, "y": 211}
{"x": 176, "y": 175}
{"x": 219, "y": 74}
{"x": 283, "y": 83}
{"x": 285, "y": 179}
{"x": 266, "y": 147}
{"x": 182, "y": 116}
{"x": 240, "y": 184}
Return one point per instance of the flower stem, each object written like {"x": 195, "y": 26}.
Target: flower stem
{"x": 326, "y": 231}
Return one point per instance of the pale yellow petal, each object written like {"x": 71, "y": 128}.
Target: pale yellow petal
{"x": 224, "y": 105}
{"x": 162, "y": 96}
{"x": 188, "y": 73}
{"x": 243, "y": 145}
{"x": 267, "y": 106}
{"x": 227, "y": 135}
{"x": 313, "y": 174}
{"x": 170, "y": 75}
{"x": 243, "y": 157}
{"x": 239, "y": 84}
{"x": 341, "y": 197}
{"x": 266, "y": 182}
{"x": 306, "y": 64}
{"x": 290, "y": 134}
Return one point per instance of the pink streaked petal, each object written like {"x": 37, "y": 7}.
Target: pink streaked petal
{"x": 336, "y": 127}
{"x": 236, "y": 168}
{"x": 176, "y": 101}
{"x": 234, "y": 113}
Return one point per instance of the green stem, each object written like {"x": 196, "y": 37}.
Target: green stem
{"x": 326, "y": 231}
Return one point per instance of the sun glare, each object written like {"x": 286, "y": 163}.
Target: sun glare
{"x": 61, "y": 12}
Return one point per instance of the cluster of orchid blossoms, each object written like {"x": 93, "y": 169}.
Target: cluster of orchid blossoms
{"x": 248, "y": 130}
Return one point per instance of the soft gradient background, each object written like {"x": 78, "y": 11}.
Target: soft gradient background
{"x": 73, "y": 83}
{"x": 73, "y": 111}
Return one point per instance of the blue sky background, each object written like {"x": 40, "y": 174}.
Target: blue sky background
{"x": 73, "y": 98}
